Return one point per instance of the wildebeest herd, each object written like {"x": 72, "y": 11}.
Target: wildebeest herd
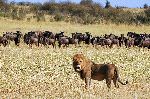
{"x": 46, "y": 38}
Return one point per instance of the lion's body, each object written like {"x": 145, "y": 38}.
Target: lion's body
{"x": 89, "y": 70}
{"x": 101, "y": 71}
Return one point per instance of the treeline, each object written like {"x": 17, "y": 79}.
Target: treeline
{"x": 86, "y": 12}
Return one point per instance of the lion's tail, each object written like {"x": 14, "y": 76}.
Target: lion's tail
{"x": 118, "y": 78}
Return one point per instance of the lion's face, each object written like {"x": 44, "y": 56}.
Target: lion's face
{"x": 78, "y": 62}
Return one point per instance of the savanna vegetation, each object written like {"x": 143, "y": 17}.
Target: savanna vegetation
{"x": 86, "y": 12}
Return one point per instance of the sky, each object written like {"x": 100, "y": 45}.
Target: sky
{"x": 126, "y": 3}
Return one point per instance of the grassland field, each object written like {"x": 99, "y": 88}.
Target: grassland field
{"x": 47, "y": 73}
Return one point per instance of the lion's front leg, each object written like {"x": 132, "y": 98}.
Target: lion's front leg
{"x": 87, "y": 82}
{"x": 87, "y": 79}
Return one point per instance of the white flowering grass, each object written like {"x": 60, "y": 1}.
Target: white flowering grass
{"x": 48, "y": 73}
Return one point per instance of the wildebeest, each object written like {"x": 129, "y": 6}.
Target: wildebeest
{"x": 31, "y": 38}
{"x": 17, "y": 38}
{"x": 108, "y": 42}
{"x": 63, "y": 41}
{"x": 87, "y": 37}
{"x": 122, "y": 39}
{"x": 82, "y": 37}
{"x": 49, "y": 41}
{"x": 73, "y": 41}
{"x": 145, "y": 43}
{"x": 129, "y": 42}
{"x": 3, "y": 40}
{"x": 13, "y": 37}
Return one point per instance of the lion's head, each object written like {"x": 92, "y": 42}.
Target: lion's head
{"x": 79, "y": 62}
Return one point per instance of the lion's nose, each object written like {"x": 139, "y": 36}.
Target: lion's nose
{"x": 78, "y": 67}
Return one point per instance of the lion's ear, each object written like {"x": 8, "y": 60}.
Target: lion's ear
{"x": 73, "y": 58}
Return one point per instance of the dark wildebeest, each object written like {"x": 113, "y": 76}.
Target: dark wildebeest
{"x": 107, "y": 42}
{"x": 115, "y": 41}
{"x": 94, "y": 41}
{"x": 48, "y": 38}
{"x": 137, "y": 38}
{"x": 78, "y": 36}
{"x": 10, "y": 36}
{"x": 145, "y": 43}
{"x": 73, "y": 41}
{"x": 31, "y": 38}
{"x": 13, "y": 37}
{"x": 122, "y": 40}
{"x": 49, "y": 41}
{"x": 17, "y": 38}
{"x": 26, "y": 38}
{"x": 97, "y": 41}
{"x": 3, "y": 40}
{"x": 87, "y": 37}
{"x": 129, "y": 42}
{"x": 63, "y": 41}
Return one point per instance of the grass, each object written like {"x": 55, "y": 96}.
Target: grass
{"x": 9, "y": 25}
{"x": 48, "y": 73}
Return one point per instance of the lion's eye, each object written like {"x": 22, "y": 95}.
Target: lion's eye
{"x": 80, "y": 61}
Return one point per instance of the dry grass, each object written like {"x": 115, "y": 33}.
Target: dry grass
{"x": 48, "y": 73}
{"x": 9, "y": 25}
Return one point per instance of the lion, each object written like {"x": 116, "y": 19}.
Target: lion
{"x": 89, "y": 70}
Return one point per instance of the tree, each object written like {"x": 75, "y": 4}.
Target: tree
{"x": 146, "y": 6}
{"x": 3, "y": 2}
{"x": 108, "y": 5}
{"x": 86, "y": 2}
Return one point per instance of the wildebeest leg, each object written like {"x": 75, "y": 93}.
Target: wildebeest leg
{"x": 53, "y": 45}
{"x": 149, "y": 47}
{"x": 64, "y": 45}
{"x": 38, "y": 43}
{"x": 120, "y": 44}
{"x": 16, "y": 43}
{"x": 59, "y": 45}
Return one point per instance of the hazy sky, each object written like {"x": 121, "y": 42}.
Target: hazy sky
{"x": 127, "y": 3}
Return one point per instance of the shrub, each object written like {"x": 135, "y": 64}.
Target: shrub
{"x": 58, "y": 17}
